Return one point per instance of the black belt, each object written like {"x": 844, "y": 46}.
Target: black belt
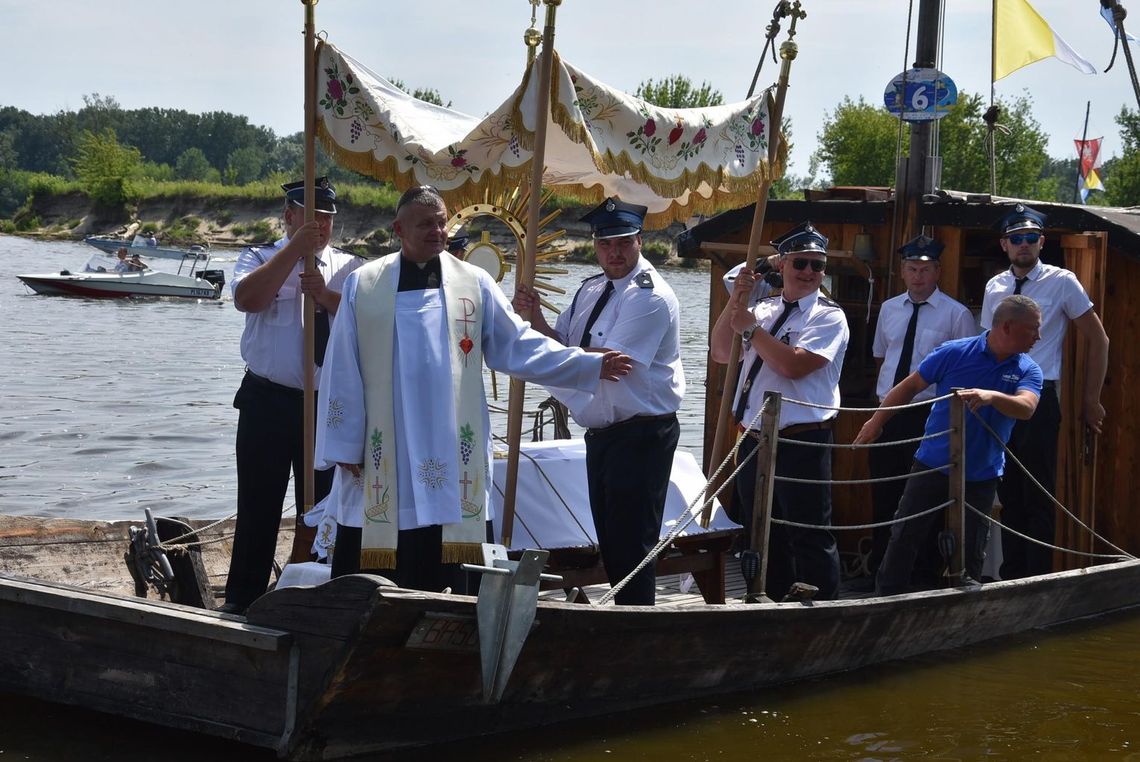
{"x": 260, "y": 382}
{"x": 634, "y": 419}
{"x": 797, "y": 428}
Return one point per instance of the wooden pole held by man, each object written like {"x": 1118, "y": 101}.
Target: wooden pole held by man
{"x": 303, "y": 537}
{"x": 724, "y": 421}
{"x": 526, "y": 271}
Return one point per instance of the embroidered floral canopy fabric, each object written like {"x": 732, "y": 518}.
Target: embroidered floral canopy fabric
{"x": 600, "y": 141}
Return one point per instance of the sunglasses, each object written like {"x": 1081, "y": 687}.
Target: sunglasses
{"x": 817, "y": 265}
{"x": 1017, "y": 238}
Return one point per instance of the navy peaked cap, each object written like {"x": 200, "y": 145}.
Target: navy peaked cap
{"x": 1022, "y": 218}
{"x": 922, "y": 248}
{"x": 325, "y": 194}
{"x": 804, "y": 238}
{"x": 457, "y": 243}
{"x": 614, "y": 219}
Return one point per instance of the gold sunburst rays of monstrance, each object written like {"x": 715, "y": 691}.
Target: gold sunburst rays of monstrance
{"x": 508, "y": 208}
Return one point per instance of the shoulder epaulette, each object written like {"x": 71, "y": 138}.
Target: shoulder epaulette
{"x": 644, "y": 279}
{"x": 829, "y": 302}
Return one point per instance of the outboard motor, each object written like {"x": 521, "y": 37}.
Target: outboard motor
{"x": 217, "y": 278}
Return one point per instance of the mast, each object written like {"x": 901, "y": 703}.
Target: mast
{"x": 923, "y": 170}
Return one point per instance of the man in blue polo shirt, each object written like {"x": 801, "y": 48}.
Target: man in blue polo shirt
{"x": 996, "y": 379}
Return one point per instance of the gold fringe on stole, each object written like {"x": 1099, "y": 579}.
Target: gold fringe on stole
{"x": 377, "y": 558}
{"x": 462, "y": 553}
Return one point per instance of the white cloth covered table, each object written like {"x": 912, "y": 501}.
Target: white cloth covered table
{"x": 552, "y": 503}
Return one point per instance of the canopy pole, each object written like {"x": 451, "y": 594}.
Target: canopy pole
{"x": 724, "y": 422}
{"x": 302, "y": 540}
{"x": 526, "y": 271}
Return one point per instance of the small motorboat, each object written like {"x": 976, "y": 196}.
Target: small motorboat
{"x": 147, "y": 249}
{"x": 106, "y": 276}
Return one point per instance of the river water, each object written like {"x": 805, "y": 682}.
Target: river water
{"x": 110, "y": 406}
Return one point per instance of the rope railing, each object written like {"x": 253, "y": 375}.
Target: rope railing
{"x": 1039, "y": 486}
{"x": 840, "y": 409}
{"x": 691, "y": 513}
{"x": 853, "y": 446}
{"x": 875, "y": 525}
{"x": 681, "y": 526}
{"x": 994, "y": 522}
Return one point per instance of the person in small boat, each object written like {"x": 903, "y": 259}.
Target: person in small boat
{"x": 794, "y": 344}
{"x": 631, "y": 429}
{"x": 267, "y": 286}
{"x": 910, "y": 326}
{"x": 136, "y": 265}
{"x": 402, "y": 404}
{"x": 998, "y": 380}
{"x": 1027, "y": 508}
{"x": 124, "y": 263}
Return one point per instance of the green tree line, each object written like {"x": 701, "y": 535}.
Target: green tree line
{"x": 104, "y": 148}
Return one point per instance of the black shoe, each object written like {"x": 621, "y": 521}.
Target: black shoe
{"x": 231, "y": 608}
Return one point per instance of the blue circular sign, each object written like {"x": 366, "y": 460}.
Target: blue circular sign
{"x": 921, "y": 95}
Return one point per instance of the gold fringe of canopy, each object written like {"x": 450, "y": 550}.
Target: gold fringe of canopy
{"x": 600, "y": 142}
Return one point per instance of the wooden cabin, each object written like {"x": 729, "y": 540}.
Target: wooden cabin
{"x": 1098, "y": 477}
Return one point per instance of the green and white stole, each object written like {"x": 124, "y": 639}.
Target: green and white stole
{"x": 375, "y": 323}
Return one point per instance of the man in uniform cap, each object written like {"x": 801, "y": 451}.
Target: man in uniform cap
{"x": 268, "y": 286}
{"x": 909, "y": 327}
{"x": 1025, "y": 507}
{"x": 793, "y": 344}
{"x": 632, "y": 428}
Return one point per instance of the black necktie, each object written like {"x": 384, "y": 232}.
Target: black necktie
{"x": 907, "y": 353}
{"x": 758, "y": 362}
{"x": 1018, "y": 283}
{"x": 601, "y": 303}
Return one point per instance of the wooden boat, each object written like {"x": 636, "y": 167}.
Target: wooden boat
{"x": 358, "y": 665}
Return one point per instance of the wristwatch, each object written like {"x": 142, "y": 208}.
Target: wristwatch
{"x": 746, "y": 334}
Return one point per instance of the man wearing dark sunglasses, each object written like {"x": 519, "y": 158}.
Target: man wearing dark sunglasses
{"x": 794, "y": 344}
{"x": 1027, "y": 508}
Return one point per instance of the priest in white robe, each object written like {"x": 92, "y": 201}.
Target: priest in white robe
{"x": 402, "y": 405}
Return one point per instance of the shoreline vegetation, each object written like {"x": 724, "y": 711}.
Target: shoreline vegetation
{"x": 182, "y": 213}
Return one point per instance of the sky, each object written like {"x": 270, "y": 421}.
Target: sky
{"x": 245, "y": 56}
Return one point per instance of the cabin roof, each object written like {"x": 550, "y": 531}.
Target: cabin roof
{"x": 947, "y": 208}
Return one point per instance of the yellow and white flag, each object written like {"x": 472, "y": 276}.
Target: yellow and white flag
{"x": 1022, "y": 37}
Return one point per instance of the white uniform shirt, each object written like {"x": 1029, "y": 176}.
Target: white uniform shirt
{"x": 941, "y": 319}
{"x": 1061, "y": 297}
{"x": 422, "y": 379}
{"x": 641, "y": 319}
{"x": 818, "y": 326}
{"x": 272, "y": 343}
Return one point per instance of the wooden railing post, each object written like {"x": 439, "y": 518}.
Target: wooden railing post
{"x": 956, "y": 512}
{"x": 765, "y": 455}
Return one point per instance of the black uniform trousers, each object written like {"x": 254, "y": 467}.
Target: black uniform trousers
{"x": 418, "y": 560}
{"x": 1024, "y": 506}
{"x": 896, "y": 461}
{"x": 908, "y": 538}
{"x": 794, "y": 554}
{"x": 270, "y": 442}
{"x": 627, "y": 469}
